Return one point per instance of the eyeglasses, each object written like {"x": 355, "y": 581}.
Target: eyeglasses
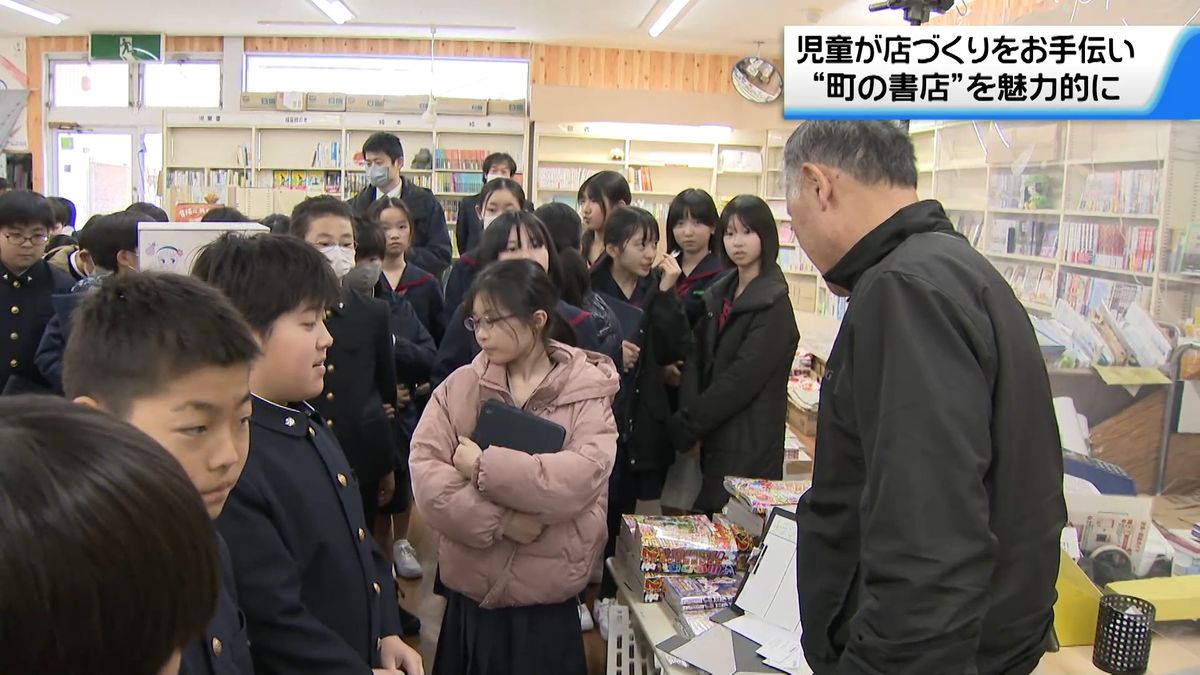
{"x": 17, "y": 239}
{"x": 472, "y": 324}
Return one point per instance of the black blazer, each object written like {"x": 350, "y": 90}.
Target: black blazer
{"x": 26, "y": 307}
{"x": 431, "y": 240}
{"x": 360, "y": 376}
{"x": 317, "y": 593}
{"x": 469, "y": 229}
{"x": 224, "y": 648}
{"x": 462, "y": 273}
{"x": 734, "y": 392}
{"x": 424, "y": 292}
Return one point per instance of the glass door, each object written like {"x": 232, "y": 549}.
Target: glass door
{"x": 95, "y": 169}
{"x": 150, "y": 164}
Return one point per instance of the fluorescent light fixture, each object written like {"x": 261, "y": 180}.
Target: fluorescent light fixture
{"x": 667, "y": 17}
{"x": 35, "y": 13}
{"x": 336, "y": 10}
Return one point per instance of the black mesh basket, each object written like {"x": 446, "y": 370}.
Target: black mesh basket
{"x": 1123, "y": 634}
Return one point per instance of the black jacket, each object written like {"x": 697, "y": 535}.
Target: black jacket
{"x": 423, "y": 291}
{"x": 52, "y": 348}
{"x": 224, "y": 648}
{"x": 26, "y": 306}
{"x": 929, "y": 542}
{"x": 414, "y": 348}
{"x": 431, "y": 239}
{"x": 469, "y": 229}
{"x": 360, "y": 376}
{"x": 462, "y": 273}
{"x": 316, "y": 592}
{"x": 643, "y": 408}
{"x": 734, "y": 394}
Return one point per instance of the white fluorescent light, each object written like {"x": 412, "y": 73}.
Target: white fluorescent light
{"x": 35, "y": 13}
{"x": 336, "y": 10}
{"x": 667, "y": 17}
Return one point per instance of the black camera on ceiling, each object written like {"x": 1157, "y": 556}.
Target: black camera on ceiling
{"x": 916, "y": 12}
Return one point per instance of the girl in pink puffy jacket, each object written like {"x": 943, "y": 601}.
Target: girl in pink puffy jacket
{"x": 517, "y": 533}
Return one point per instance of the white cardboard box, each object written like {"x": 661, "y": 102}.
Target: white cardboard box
{"x": 173, "y": 247}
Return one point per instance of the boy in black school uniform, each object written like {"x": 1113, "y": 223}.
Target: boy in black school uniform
{"x": 169, "y": 355}
{"x": 112, "y": 242}
{"x": 317, "y": 594}
{"x": 27, "y": 284}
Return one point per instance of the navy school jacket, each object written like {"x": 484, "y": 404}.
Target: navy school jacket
{"x": 458, "y": 347}
{"x": 26, "y": 302}
{"x": 317, "y": 594}
{"x": 691, "y": 288}
{"x": 424, "y": 292}
{"x": 462, "y": 273}
{"x": 49, "y": 357}
{"x": 431, "y": 247}
{"x": 414, "y": 347}
{"x": 224, "y": 649}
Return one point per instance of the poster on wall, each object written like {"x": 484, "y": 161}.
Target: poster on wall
{"x": 13, "y": 77}
{"x": 173, "y": 247}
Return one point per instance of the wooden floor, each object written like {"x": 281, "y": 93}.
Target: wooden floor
{"x": 419, "y": 598}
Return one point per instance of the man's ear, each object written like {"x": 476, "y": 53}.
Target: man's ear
{"x": 399, "y": 163}
{"x": 89, "y": 402}
{"x": 815, "y": 179}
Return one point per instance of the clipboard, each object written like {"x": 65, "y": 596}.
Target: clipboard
{"x": 508, "y": 427}
{"x": 769, "y": 588}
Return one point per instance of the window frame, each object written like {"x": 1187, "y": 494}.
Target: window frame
{"x": 136, "y": 91}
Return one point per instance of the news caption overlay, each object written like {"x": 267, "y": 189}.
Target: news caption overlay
{"x": 992, "y": 72}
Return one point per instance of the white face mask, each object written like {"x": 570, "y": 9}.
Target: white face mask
{"x": 493, "y": 176}
{"x": 487, "y": 220}
{"x": 341, "y": 258}
{"x": 378, "y": 175}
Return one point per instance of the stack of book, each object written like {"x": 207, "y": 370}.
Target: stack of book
{"x": 753, "y": 499}
{"x": 652, "y": 549}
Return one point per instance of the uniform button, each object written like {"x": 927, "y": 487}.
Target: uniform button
{"x": 15, "y": 309}
{"x": 217, "y": 647}
{"x": 329, "y": 423}
{"x": 14, "y": 337}
{"x": 16, "y": 284}
{"x": 328, "y": 314}
{"x": 342, "y": 479}
{"x": 311, "y": 433}
{"x": 13, "y": 363}
{"x": 329, "y": 396}
{"x": 377, "y": 587}
{"x": 329, "y": 368}
{"x": 362, "y": 534}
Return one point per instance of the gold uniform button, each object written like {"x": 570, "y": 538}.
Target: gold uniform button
{"x": 13, "y": 363}
{"x": 14, "y": 337}
{"x": 217, "y": 647}
{"x": 342, "y": 479}
{"x": 16, "y": 284}
{"x": 329, "y": 396}
{"x": 362, "y": 534}
{"x": 377, "y": 587}
{"x": 329, "y": 423}
{"x": 311, "y": 433}
{"x": 15, "y": 309}
{"x": 329, "y": 368}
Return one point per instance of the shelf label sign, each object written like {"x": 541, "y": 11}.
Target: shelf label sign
{"x": 991, "y": 72}
{"x": 126, "y": 47}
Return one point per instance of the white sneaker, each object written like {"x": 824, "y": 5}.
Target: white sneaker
{"x": 585, "y": 618}
{"x": 601, "y": 611}
{"x": 407, "y": 566}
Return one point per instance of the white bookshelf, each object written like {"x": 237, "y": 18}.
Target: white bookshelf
{"x": 1117, "y": 197}
{"x": 267, "y": 162}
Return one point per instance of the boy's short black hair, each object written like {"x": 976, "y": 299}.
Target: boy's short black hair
{"x": 110, "y": 235}
{"x": 371, "y": 243}
{"x": 388, "y": 144}
{"x": 316, "y": 207}
{"x": 267, "y": 276}
{"x": 109, "y": 562}
{"x": 21, "y": 208}
{"x": 149, "y": 210}
{"x": 224, "y": 214}
{"x": 136, "y": 333}
{"x": 64, "y": 211}
{"x": 500, "y": 158}
{"x": 278, "y": 223}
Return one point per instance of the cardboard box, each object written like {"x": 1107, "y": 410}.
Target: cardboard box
{"x": 515, "y": 107}
{"x": 462, "y": 106}
{"x": 259, "y": 101}
{"x": 1109, "y": 478}
{"x": 290, "y": 101}
{"x": 397, "y": 105}
{"x": 325, "y": 102}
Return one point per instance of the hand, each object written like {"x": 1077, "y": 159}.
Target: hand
{"x": 630, "y": 354}
{"x": 393, "y": 653}
{"x": 403, "y": 395}
{"x": 523, "y": 529}
{"x": 389, "y": 410}
{"x": 673, "y": 374}
{"x": 466, "y": 456}
{"x": 670, "y": 272}
{"x": 387, "y": 489}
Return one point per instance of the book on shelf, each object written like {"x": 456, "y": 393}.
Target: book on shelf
{"x": 1020, "y": 191}
{"x": 310, "y": 182}
{"x": 1116, "y": 246}
{"x": 684, "y": 593}
{"x": 451, "y": 207}
{"x": 1085, "y": 292}
{"x": 459, "y": 160}
{"x": 970, "y": 225}
{"x": 1035, "y": 238}
{"x": 459, "y": 182}
{"x": 327, "y": 154}
{"x": 639, "y": 179}
{"x": 794, "y": 260}
{"x": 1134, "y": 191}
{"x": 743, "y": 161}
{"x": 234, "y": 177}
{"x": 657, "y": 209}
{"x": 1184, "y": 250}
{"x": 561, "y": 178}
{"x": 1031, "y": 282}
{"x": 830, "y": 304}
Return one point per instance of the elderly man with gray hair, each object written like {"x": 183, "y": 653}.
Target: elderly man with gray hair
{"x": 929, "y": 542}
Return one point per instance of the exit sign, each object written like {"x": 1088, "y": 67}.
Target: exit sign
{"x": 132, "y": 47}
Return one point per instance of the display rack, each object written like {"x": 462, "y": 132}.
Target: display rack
{"x": 1083, "y": 212}
{"x": 268, "y": 162}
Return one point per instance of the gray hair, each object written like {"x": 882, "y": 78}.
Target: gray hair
{"x": 871, "y": 151}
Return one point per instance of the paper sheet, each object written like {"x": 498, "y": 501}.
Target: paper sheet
{"x": 770, "y": 587}
{"x": 1130, "y": 376}
{"x": 711, "y": 651}
{"x": 1070, "y": 432}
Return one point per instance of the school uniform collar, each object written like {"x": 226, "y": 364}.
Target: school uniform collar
{"x": 708, "y": 267}
{"x": 280, "y": 418}
{"x": 916, "y": 218}
{"x": 27, "y": 278}
{"x": 603, "y": 281}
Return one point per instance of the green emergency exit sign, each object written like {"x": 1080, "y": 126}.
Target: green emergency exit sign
{"x": 117, "y": 47}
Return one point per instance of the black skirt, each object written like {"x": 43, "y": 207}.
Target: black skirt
{"x": 537, "y": 640}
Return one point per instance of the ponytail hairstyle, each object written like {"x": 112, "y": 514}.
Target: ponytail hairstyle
{"x": 522, "y": 288}
{"x": 757, "y": 216}
{"x": 700, "y": 207}
{"x": 565, "y": 228}
{"x": 506, "y": 185}
{"x": 606, "y": 188}
{"x": 628, "y": 223}
{"x": 529, "y": 230}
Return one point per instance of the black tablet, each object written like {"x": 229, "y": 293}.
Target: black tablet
{"x": 508, "y": 427}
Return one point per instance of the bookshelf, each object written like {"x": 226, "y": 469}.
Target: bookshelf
{"x": 267, "y": 162}
{"x": 1082, "y": 212}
